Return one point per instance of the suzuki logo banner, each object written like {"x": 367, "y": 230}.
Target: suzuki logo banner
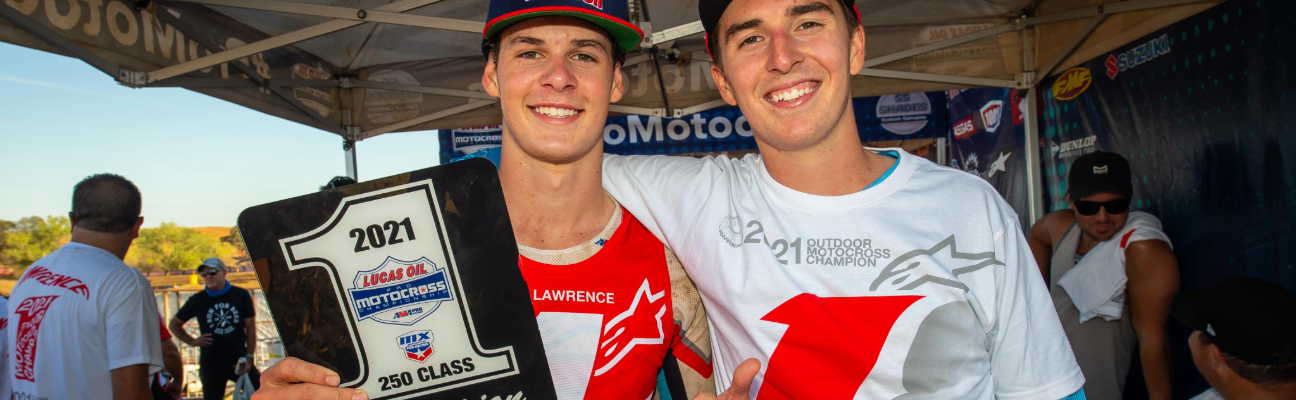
{"x": 892, "y": 117}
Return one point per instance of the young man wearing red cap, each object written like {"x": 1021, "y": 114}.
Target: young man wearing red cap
{"x": 848, "y": 273}
{"x": 1243, "y": 340}
{"x": 613, "y": 305}
{"x": 1111, "y": 274}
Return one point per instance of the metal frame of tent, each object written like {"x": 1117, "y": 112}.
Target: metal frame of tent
{"x": 396, "y": 13}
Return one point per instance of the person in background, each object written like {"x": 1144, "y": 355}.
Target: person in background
{"x": 1243, "y": 340}
{"x": 227, "y": 323}
{"x": 1112, "y": 275}
{"x": 85, "y": 322}
{"x": 168, "y": 383}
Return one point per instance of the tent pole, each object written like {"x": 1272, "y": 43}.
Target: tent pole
{"x": 1034, "y": 188}
{"x": 349, "y": 154}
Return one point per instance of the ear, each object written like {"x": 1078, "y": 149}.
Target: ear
{"x": 490, "y": 78}
{"x": 134, "y": 232}
{"x": 1216, "y": 358}
{"x": 618, "y": 85}
{"x": 722, "y": 83}
{"x": 71, "y": 221}
{"x": 857, "y": 50}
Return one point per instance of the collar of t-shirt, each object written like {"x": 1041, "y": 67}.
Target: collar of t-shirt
{"x": 88, "y": 248}
{"x": 218, "y": 293}
{"x": 888, "y": 183}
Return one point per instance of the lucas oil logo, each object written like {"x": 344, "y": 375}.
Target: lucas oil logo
{"x": 417, "y": 345}
{"x": 399, "y": 292}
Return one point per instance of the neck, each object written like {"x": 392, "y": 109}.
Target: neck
{"x": 838, "y": 165}
{"x": 554, "y": 206}
{"x": 1251, "y": 391}
{"x": 115, "y": 243}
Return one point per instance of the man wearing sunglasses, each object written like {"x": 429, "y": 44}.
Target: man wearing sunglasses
{"x": 227, "y": 321}
{"x": 1112, "y": 275}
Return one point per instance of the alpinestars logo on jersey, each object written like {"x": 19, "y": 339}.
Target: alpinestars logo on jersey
{"x": 399, "y": 292}
{"x": 641, "y": 323}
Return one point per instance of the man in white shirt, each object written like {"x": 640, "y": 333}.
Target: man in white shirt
{"x": 1243, "y": 340}
{"x": 848, "y": 273}
{"x": 84, "y": 324}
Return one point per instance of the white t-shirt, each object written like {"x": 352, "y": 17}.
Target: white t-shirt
{"x": 77, "y": 314}
{"x": 920, "y": 287}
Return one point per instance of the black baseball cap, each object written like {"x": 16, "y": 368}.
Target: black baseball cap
{"x": 1248, "y": 318}
{"x": 711, "y": 11}
{"x": 1100, "y": 172}
{"x": 611, "y": 15}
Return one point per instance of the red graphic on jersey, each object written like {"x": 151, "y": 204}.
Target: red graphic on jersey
{"x": 630, "y": 332}
{"x": 4, "y": 323}
{"x": 830, "y": 346}
{"x": 47, "y": 278}
{"x": 30, "y": 314}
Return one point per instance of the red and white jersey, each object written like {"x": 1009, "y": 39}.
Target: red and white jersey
{"x": 919, "y": 287}
{"x": 74, "y": 316}
{"x": 612, "y": 309}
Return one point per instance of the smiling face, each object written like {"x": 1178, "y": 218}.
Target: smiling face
{"x": 788, "y": 65}
{"x": 555, "y": 77}
{"x": 1103, "y": 225}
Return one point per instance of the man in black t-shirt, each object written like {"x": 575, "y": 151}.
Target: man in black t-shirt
{"x": 227, "y": 322}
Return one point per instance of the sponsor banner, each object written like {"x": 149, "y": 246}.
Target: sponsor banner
{"x": 1072, "y": 83}
{"x": 402, "y": 299}
{"x": 988, "y": 140}
{"x": 1202, "y": 111}
{"x": 891, "y": 117}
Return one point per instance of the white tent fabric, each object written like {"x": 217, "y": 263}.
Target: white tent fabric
{"x": 360, "y": 68}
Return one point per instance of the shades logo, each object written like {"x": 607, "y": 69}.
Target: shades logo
{"x": 905, "y": 113}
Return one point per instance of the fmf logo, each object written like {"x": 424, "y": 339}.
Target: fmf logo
{"x": 596, "y": 3}
{"x": 1072, "y": 83}
{"x": 417, "y": 345}
{"x": 964, "y": 128}
{"x": 990, "y": 114}
{"x": 1143, "y": 53}
{"x": 398, "y": 292}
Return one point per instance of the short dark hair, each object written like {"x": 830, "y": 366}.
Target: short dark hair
{"x": 105, "y": 203}
{"x": 1278, "y": 374}
{"x": 852, "y": 22}
{"x": 618, "y": 55}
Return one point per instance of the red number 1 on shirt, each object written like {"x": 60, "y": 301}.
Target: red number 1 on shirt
{"x": 31, "y": 312}
{"x": 830, "y": 345}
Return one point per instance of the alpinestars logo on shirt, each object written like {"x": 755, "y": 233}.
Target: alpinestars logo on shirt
{"x": 920, "y": 263}
{"x": 633, "y": 327}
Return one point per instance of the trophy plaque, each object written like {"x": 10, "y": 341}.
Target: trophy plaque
{"x": 407, "y": 286}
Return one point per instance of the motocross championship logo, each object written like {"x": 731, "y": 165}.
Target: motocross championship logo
{"x": 399, "y": 292}
{"x": 417, "y": 345}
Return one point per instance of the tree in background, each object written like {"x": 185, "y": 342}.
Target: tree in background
{"x": 172, "y": 247}
{"x": 31, "y": 238}
{"x": 235, "y": 240}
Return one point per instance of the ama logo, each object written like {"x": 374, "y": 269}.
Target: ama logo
{"x": 990, "y": 114}
{"x": 417, "y": 345}
{"x": 399, "y": 292}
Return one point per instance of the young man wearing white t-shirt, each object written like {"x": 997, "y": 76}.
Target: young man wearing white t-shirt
{"x": 848, "y": 273}
{"x": 83, "y": 324}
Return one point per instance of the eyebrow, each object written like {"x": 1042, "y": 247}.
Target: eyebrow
{"x": 795, "y": 11}
{"x": 590, "y": 43}
{"x": 535, "y": 41}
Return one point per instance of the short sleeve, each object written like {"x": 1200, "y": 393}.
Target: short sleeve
{"x": 249, "y": 304}
{"x": 1030, "y": 357}
{"x": 665, "y": 193}
{"x": 162, "y": 329}
{"x": 188, "y": 309}
{"x": 129, "y": 309}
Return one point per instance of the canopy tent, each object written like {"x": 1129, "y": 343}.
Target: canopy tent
{"x": 362, "y": 68}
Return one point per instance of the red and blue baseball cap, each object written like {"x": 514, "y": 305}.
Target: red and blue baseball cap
{"x": 611, "y": 15}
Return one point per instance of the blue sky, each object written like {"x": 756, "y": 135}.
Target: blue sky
{"x": 198, "y": 161}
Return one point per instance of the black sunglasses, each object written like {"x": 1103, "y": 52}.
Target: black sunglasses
{"x": 210, "y": 272}
{"x": 1115, "y": 206}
